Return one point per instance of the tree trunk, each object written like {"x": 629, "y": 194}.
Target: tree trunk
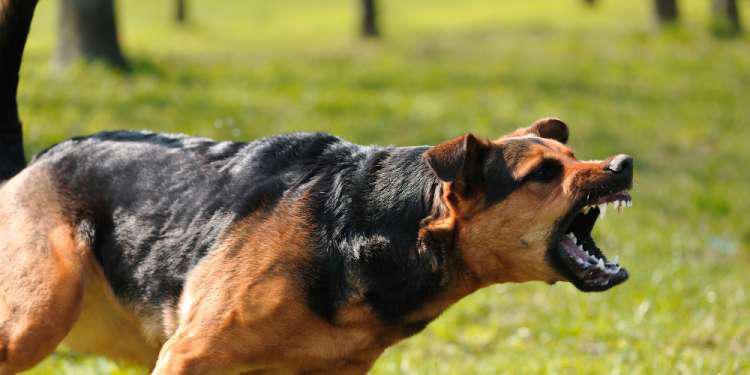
{"x": 15, "y": 20}
{"x": 180, "y": 11}
{"x": 666, "y": 11}
{"x": 370, "y": 19}
{"x": 87, "y": 29}
{"x": 726, "y": 15}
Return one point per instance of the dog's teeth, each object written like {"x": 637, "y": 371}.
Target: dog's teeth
{"x": 586, "y": 209}
{"x": 600, "y": 264}
{"x": 616, "y": 204}
{"x": 616, "y": 259}
{"x": 630, "y": 203}
{"x": 602, "y": 210}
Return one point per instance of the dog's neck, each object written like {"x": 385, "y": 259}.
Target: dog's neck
{"x": 407, "y": 263}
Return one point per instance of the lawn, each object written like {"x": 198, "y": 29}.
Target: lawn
{"x": 677, "y": 100}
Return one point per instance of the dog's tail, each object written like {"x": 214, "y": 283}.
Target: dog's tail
{"x": 15, "y": 20}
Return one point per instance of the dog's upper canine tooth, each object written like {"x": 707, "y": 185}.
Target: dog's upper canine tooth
{"x": 600, "y": 264}
{"x": 602, "y": 210}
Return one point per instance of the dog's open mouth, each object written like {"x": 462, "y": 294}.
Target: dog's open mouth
{"x": 586, "y": 265}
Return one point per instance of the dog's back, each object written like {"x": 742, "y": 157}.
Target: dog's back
{"x": 158, "y": 203}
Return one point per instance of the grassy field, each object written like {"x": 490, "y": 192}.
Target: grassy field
{"x": 679, "y": 101}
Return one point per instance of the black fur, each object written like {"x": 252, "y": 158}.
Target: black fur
{"x": 157, "y": 204}
{"x": 369, "y": 203}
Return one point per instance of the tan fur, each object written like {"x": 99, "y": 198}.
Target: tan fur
{"x": 508, "y": 241}
{"x": 41, "y": 275}
{"x": 244, "y": 310}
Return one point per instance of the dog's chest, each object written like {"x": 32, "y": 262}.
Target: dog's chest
{"x": 358, "y": 337}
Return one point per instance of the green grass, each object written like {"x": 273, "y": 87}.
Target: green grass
{"x": 676, "y": 100}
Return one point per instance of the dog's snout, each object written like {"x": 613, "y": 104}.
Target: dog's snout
{"x": 621, "y": 163}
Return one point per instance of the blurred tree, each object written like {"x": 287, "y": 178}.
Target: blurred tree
{"x": 370, "y": 27}
{"x": 87, "y": 29}
{"x": 180, "y": 11}
{"x": 727, "y": 16}
{"x": 15, "y": 20}
{"x": 666, "y": 11}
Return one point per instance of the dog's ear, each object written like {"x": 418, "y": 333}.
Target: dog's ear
{"x": 459, "y": 161}
{"x": 550, "y": 127}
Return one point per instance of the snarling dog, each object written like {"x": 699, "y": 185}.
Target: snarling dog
{"x": 295, "y": 253}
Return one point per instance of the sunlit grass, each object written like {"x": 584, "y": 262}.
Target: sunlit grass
{"x": 676, "y": 100}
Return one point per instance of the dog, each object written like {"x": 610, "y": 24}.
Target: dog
{"x": 294, "y": 253}
{"x": 298, "y": 253}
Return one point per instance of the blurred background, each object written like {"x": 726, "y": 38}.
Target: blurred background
{"x": 665, "y": 81}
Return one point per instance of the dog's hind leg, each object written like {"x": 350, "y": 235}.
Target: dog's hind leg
{"x": 42, "y": 264}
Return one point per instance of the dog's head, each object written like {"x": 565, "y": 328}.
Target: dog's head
{"x": 523, "y": 206}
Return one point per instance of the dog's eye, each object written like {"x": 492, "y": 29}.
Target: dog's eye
{"x": 547, "y": 171}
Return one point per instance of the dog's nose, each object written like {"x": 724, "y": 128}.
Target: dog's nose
{"x": 621, "y": 163}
